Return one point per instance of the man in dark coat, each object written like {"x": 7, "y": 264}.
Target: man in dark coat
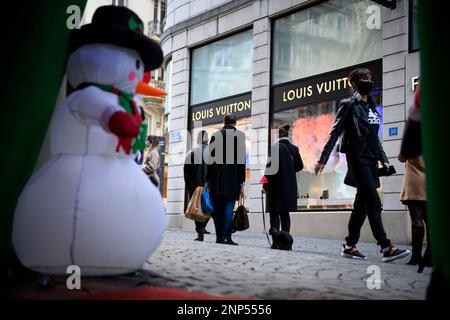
{"x": 195, "y": 168}
{"x": 226, "y": 175}
{"x": 281, "y": 186}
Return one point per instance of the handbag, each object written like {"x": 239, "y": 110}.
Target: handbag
{"x": 206, "y": 201}
{"x": 240, "y": 219}
{"x": 147, "y": 166}
{"x": 194, "y": 208}
{"x": 385, "y": 172}
{"x": 382, "y": 172}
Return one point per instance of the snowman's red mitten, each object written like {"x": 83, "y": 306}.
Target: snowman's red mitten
{"x": 123, "y": 125}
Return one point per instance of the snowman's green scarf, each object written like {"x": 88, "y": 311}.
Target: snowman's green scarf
{"x": 126, "y": 101}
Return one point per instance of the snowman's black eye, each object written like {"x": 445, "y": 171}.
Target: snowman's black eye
{"x": 138, "y": 64}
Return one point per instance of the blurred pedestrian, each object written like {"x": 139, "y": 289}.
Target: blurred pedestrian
{"x": 414, "y": 189}
{"x": 150, "y": 163}
{"x": 195, "y": 169}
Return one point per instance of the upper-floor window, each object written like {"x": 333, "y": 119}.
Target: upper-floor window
{"x": 329, "y": 36}
{"x": 413, "y": 26}
{"x": 222, "y": 68}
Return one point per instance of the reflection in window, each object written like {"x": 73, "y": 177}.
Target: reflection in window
{"x": 315, "y": 17}
{"x": 340, "y": 23}
{"x": 168, "y": 84}
{"x": 329, "y": 36}
{"x": 311, "y": 126}
{"x": 222, "y": 68}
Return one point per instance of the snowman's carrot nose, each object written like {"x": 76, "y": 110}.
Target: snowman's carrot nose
{"x": 147, "y": 90}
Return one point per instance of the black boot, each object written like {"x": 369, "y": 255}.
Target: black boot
{"x": 417, "y": 243}
{"x": 229, "y": 241}
{"x": 415, "y": 259}
{"x": 200, "y": 236}
{"x": 426, "y": 260}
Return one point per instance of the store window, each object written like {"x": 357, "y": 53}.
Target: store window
{"x": 313, "y": 51}
{"x": 413, "y": 26}
{"x": 168, "y": 98}
{"x": 335, "y": 30}
{"x": 166, "y": 126}
{"x": 222, "y": 68}
{"x": 311, "y": 126}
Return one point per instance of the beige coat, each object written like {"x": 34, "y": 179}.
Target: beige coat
{"x": 414, "y": 180}
{"x": 150, "y": 165}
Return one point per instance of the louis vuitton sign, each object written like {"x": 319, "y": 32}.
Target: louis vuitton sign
{"x": 213, "y": 112}
{"x": 328, "y": 86}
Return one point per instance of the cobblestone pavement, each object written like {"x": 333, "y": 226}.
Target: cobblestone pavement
{"x": 314, "y": 269}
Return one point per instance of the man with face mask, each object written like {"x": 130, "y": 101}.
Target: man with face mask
{"x": 358, "y": 120}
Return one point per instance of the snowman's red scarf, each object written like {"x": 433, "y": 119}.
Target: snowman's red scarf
{"x": 129, "y": 105}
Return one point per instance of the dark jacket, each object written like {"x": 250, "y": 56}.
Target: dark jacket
{"x": 225, "y": 172}
{"x": 352, "y": 121}
{"x": 282, "y": 186}
{"x": 411, "y": 146}
{"x": 195, "y": 168}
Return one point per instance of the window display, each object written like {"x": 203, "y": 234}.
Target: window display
{"x": 311, "y": 126}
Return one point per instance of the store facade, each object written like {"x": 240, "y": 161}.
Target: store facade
{"x": 271, "y": 63}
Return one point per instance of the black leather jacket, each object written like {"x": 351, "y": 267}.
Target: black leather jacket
{"x": 351, "y": 120}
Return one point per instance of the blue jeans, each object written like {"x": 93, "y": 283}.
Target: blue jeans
{"x": 223, "y": 217}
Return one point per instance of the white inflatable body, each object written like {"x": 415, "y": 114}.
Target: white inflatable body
{"x": 89, "y": 205}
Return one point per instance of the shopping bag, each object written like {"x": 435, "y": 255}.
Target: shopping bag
{"x": 194, "y": 208}
{"x": 206, "y": 201}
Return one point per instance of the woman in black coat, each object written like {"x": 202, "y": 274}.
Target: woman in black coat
{"x": 281, "y": 186}
{"x": 195, "y": 169}
{"x": 359, "y": 122}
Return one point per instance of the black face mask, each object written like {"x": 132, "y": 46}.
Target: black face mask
{"x": 365, "y": 86}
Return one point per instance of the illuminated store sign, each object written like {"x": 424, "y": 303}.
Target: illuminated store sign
{"x": 330, "y": 86}
{"x": 213, "y": 112}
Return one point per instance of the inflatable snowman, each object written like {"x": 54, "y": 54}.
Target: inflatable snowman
{"x": 90, "y": 205}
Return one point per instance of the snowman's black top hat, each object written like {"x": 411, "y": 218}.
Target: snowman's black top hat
{"x": 119, "y": 26}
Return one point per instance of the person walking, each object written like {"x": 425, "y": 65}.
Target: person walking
{"x": 150, "y": 165}
{"x": 414, "y": 196}
{"x": 359, "y": 122}
{"x": 195, "y": 169}
{"x": 281, "y": 186}
{"x": 226, "y": 175}
{"x": 414, "y": 190}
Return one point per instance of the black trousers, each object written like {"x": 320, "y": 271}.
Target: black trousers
{"x": 275, "y": 219}
{"x": 418, "y": 214}
{"x": 200, "y": 226}
{"x": 367, "y": 201}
